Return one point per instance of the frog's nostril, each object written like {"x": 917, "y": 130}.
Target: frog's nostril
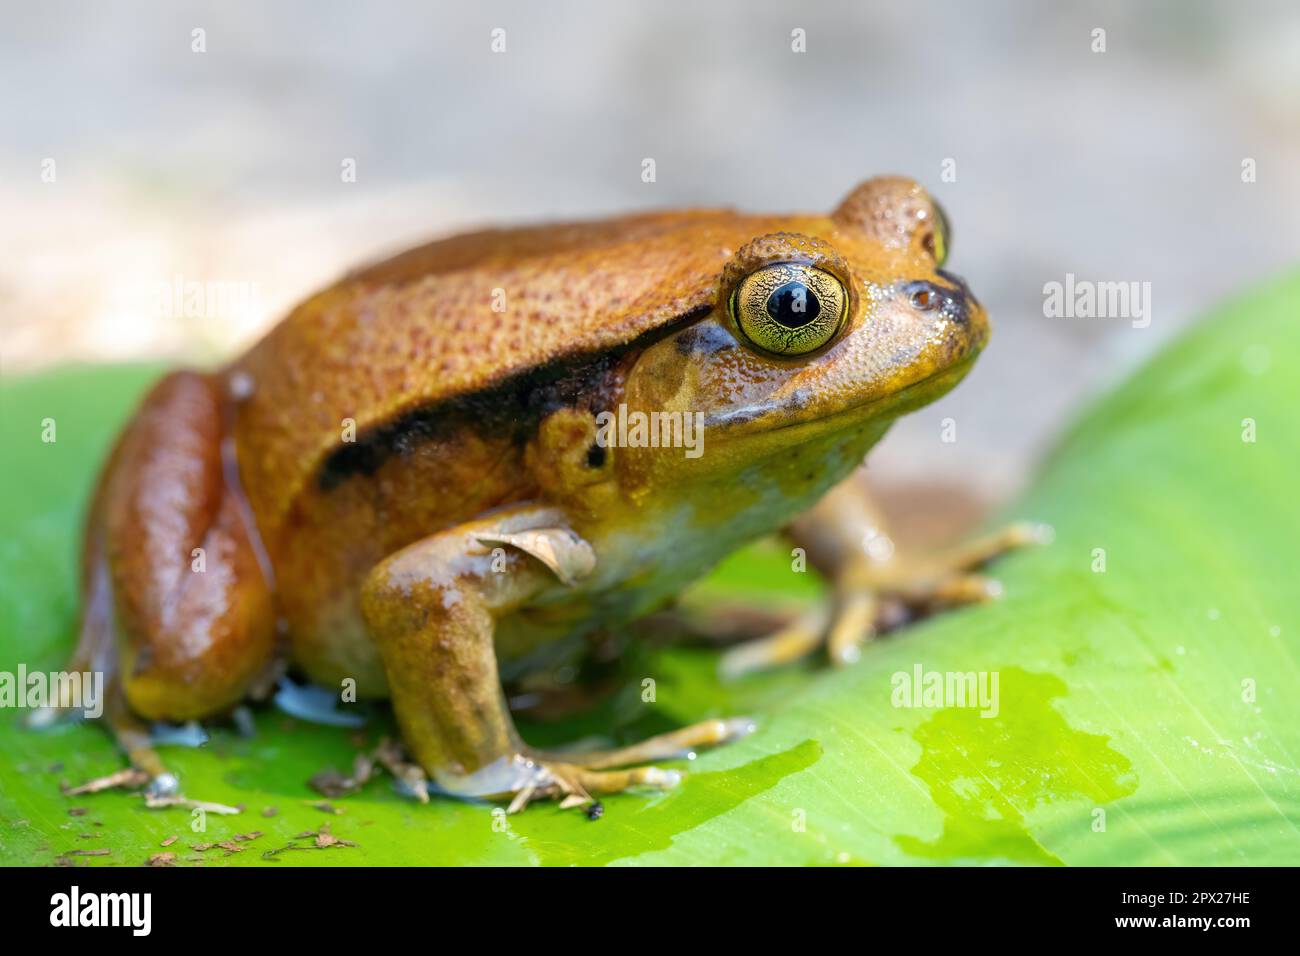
{"x": 952, "y": 303}
{"x": 925, "y": 299}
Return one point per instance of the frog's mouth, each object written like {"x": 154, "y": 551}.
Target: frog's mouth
{"x": 792, "y": 413}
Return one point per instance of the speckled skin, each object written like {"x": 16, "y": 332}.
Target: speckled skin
{"x": 470, "y": 421}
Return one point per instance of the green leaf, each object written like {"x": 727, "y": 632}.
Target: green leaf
{"x": 1157, "y": 697}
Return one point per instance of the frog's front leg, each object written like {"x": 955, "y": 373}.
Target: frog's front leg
{"x": 845, "y": 540}
{"x": 432, "y": 610}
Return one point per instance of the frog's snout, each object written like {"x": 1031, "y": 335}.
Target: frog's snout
{"x": 960, "y": 303}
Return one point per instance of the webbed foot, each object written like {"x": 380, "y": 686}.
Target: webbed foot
{"x": 873, "y": 594}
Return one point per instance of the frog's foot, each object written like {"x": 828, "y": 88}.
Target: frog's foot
{"x": 873, "y": 596}
{"x": 525, "y": 777}
{"x": 159, "y": 792}
{"x": 147, "y": 774}
{"x": 146, "y": 769}
{"x": 574, "y": 777}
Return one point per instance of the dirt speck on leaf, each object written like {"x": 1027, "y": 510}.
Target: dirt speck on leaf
{"x": 320, "y": 839}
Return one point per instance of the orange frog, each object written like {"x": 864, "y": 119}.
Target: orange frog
{"x": 454, "y": 461}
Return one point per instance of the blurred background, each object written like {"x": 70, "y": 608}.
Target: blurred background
{"x": 131, "y": 161}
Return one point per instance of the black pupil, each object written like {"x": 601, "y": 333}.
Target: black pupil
{"x": 793, "y": 305}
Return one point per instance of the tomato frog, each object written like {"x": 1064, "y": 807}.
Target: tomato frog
{"x": 438, "y": 470}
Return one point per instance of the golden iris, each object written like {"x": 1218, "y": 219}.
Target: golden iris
{"x": 789, "y": 308}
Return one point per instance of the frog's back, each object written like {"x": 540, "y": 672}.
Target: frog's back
{"x": 457, "y": 317}
{"x": 399, "y": 401}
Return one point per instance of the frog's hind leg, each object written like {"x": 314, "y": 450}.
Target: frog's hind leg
{"x": 844, "y": 539}
{"x": 96, "y": 655}
{"x": 176, "y": 608}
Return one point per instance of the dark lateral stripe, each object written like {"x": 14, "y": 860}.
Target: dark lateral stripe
{"x": 513, "y": 407}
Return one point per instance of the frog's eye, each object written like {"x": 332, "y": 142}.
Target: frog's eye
{"x": 789, "y": 308}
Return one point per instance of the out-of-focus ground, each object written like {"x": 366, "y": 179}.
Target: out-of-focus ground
{"x": 225, "y": 166}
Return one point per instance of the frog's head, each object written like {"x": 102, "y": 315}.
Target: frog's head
{"x": 825, "y": 327}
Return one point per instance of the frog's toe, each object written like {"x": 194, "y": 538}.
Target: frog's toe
{"x": 796, "y": 640}
{"x": 674, "y": 745}
{"x": 974, "y": 554}
{"x": 616, "y": 781}
{"x": 129, "y": 778}
{"x": 574, "y": 786}
{"x": 962, "y": 589}
{"x": 852, "y": 625}
{"x": 842, "y": 626}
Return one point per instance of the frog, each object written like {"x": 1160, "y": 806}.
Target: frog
{"x": 414, "y": 487}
